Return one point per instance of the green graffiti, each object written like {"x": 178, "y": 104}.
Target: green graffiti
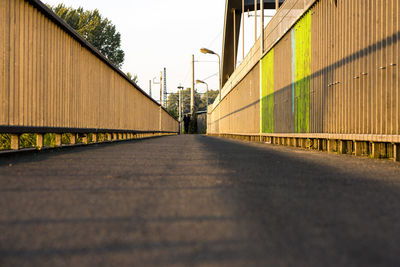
{"x": 267, "y": 93}
{"x": 302, "y": 74}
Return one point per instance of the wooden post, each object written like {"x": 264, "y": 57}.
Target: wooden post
{"x": 39, "y": 141}
{"x": 94, "y": 138}
{"x": 109, "y": 137}
{"x": 14, "y": 141}
{"x": 292, "y": 141}
{"x": 72, "y": 139}
{"x": 358, "y": 148}
{"x": 84, "y": 139}
{"x": 396, "y": 152}
{"x": 58, "y": 139}
{"x": 332, "y": 145}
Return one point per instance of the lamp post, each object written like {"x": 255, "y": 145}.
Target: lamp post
{"x": 160, "y": 83}
{"x": 192, "y": 89}
{"x": 150, "y": 88}
{"x": 155, "y": 82}
{"x": 208, "y": 51}
{"x": 199, "y": 81}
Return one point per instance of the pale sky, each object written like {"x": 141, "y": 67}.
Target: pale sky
{"x": 159, "y": 33}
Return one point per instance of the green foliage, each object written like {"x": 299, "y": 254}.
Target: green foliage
{"x": 172, "y": 105}
{"x": 134, "y": 77}
{"x": 212, "y": 94}
{"x": 27, "y": 140}
{"x": 49, "y": 140}
{"x": 200, "y": 101}
{"x": 66, "y": 138}
{"x": 5, "y": 141}
{"x": 101, "y": 137}
{"x": 98, "y": 31}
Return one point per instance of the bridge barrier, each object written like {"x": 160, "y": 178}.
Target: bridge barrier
{"x": 53, "y": 81}
{"x": 329, "y": 71}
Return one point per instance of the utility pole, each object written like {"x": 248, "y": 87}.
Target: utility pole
{"x": 243, "y": 16}
{"x": 155, "y": 82}
{"x": 234, "y": 38}
{"x": 161, "y": 88}
{"x": 180, "y": 88}
{"x": 160, "y": 102}
{"x": 165, "y": 94}
{"x": 150, "y": 88}
{"x": 255, "y": 22}
{"x": 192, "y": 89}
{"x": 207, "y": 99}
{"x": 262, "y": 26}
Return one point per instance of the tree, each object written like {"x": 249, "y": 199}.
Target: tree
{"x": 200, "y": 101}
{"x": 133, "y": 78}
{"x": 172, "y": 105}
{"x": 212, "y": 94}
{"x": 98, "y": 31}
{"x": 173, "y": 100}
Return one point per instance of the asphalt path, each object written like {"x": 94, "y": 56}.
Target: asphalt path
{"x": 197, "y": 201}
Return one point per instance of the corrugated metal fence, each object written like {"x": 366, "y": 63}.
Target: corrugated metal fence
{"x": 334, "y": 73}
{"x": 52, "y": 79}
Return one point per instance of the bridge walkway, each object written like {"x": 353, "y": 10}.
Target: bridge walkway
{"x": 197, "y": 201}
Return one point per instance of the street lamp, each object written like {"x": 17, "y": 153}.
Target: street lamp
{"x": 208, "y": 51}
{"x": 199, "y": 81}
{"x": 160, "y": 83}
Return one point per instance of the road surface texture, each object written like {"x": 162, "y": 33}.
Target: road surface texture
{"x": 198, "y": 201}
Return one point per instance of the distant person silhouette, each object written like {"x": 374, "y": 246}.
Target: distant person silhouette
{"x": 186, "y": 122}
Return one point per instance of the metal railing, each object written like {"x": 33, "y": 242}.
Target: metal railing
{"x": 53, "y": 81}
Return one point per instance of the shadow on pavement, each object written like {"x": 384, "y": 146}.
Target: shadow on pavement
{"x": 245, "y": 205}
{"x": 304, "y": 212}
